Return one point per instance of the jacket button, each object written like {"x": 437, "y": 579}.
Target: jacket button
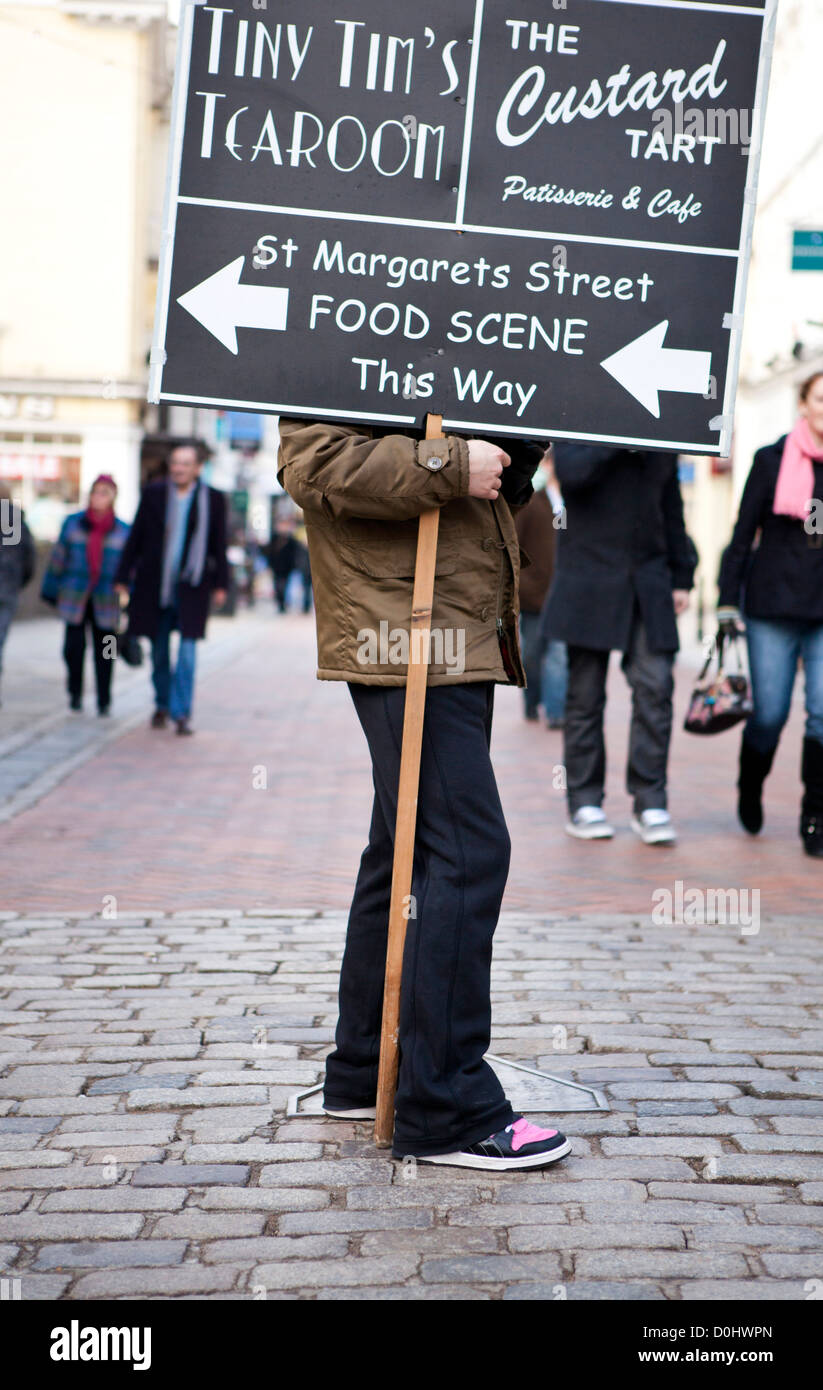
{"x": 484, "y": 613}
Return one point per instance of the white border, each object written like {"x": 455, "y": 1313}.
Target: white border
{"x": 468, "y": 128}
{"x": 273, "y": 408}
{"x": 747, "y": 226}
{"x": 732, "y": 252}
{"x": 171, "y": 198}
{"x": 689, "y": 5}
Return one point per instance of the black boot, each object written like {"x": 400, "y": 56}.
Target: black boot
{"x": 754, "y": 769}
{"x": 811, "y": 813}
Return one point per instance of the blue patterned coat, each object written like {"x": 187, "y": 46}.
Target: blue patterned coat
{"x": 66, "y": 583}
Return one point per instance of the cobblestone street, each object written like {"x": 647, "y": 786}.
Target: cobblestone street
{"x": 147, "y": 1066}
{"x": 171, "y": 941}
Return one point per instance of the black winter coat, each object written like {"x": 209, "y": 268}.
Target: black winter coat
{"x": 141, "y": 565}
{"x": 783, "y": 577}
{"x": 17, "y": 555}
{"x": 625, "y": 544}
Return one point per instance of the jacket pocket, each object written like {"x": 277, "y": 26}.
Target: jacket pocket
{"x": 389, "y": 550}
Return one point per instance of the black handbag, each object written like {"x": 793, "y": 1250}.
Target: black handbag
{"x": 719, "y": 701}
{"x": 129, "y": 649}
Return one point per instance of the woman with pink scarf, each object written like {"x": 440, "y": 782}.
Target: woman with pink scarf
{"x": 778, "y": 589}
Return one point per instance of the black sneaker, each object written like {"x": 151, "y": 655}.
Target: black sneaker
{"x": 519, "y": 1145}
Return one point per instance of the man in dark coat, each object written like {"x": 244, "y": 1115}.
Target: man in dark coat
{"x": 625, "y": 566}
{"x": 173, "y": 563}
{"x": 17, "y": 560}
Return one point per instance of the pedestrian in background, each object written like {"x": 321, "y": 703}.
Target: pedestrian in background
{"x": 544, "y": 661}
{"x": 625, "y": 566}
{"x": 17, "y": 561}
{"x": 779, "y": 588}
{"x": 286, "y": 555}
{"x": 173, "y": 565}
{"x": 79, "y": 582}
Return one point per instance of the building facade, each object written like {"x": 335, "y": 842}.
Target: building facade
{"x": 84, "y": 94}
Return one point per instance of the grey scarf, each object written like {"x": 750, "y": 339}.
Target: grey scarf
{"x": 194, "y": 562}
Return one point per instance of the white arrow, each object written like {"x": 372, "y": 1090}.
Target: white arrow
{"x": 223, "y": 305}
{"x": 645, "y": 367}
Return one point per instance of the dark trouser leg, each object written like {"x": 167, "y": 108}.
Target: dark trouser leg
{"x": 74, "y": 651}
{"x": 351, "y": 1071}
{"x": 281, "y": 584}
{"x": 161, "y": 659}
{"x": 811, "y": 826}
{"x": 7, "y": 611}
{"x": 105, "y": 652}
{"x": 584, "y": 747}
{"x": 533, "y": 651}
{"x": 447, "y": 1095}
{"x": 650, "y": 675}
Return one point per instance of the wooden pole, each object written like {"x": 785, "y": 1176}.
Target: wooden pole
{"x": 407, "y": 791}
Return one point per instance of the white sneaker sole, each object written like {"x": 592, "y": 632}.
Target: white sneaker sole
{"x": 657, "y": 835}
{"x": 368, "y": 1112}
{"x": 499, "y": 1165}
{"x": 599, "y": 830}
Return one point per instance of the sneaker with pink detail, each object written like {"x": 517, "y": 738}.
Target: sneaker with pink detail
{"x": 520, "y": 1145}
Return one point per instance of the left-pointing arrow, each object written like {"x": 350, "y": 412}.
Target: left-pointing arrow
{"x": 223, "y": 305}
{"x": 645, "y": 367}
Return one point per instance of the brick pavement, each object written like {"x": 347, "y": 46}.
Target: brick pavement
{"x": 156, "y": 821}
{"x": 145, "y": 1066}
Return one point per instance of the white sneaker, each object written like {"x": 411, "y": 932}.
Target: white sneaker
{"x": 654, "y": 828}
{"x": 590, "y": 823}
{"x": 365, "y": 1112}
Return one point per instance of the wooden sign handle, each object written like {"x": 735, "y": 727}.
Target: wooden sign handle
{"x": 407, "y": 792}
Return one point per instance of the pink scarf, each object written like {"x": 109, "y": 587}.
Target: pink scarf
{"x": 795, "y": 481}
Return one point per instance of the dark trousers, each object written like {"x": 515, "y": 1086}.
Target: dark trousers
{"x": 74, "y": 653}
{"x": 447, "y": 1095}
{"x": 281, "y": 586}
{"x": 651, "y": 678}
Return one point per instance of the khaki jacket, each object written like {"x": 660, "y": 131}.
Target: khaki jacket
{"x": 361, "y": 491}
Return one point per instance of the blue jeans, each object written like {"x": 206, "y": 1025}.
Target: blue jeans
{"x": 555, "y": 680}
{"x": 546, "y": 666}
{"x": 173, "y": 690}
{"x": 775, "y": 647}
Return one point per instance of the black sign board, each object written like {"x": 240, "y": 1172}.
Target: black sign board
{"x": 531, "y": 218}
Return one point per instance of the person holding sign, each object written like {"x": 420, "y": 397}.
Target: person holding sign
{"x": 361, "y": 491}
